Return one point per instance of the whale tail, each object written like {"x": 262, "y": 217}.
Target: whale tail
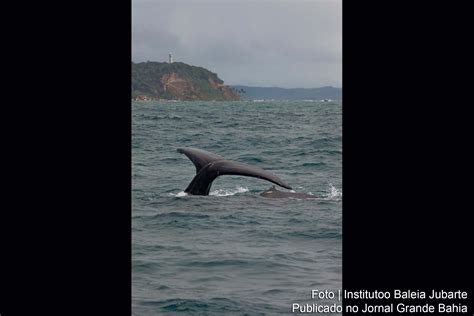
{"x": 209, "y": 166}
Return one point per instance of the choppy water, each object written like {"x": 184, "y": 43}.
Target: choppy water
{"x": 235, "y": 252}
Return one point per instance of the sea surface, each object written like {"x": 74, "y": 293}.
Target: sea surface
{"x": 234, "y": 252}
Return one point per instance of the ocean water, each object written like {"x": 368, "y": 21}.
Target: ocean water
{"x": 234, "y": 252}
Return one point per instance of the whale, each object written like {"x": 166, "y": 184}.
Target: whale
{"x": 209, "y": 166}
{"x": 274, "y": 193}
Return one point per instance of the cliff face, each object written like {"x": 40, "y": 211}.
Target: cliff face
{"x": 178, "y": 81}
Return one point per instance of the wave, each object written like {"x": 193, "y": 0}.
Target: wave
{"x": 165, "y": 117}
{"x": 229, "y": 192}
{"x": 334, "y": 193}
{"x": 179, "y": 194}
{"x": 284, "y": 235}
{"x": 218, "y": 192}
{"x": 193, "y": 305}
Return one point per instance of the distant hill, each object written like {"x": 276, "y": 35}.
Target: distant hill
{"x": 178, "y": 81}
{"x": 253, "y": 93}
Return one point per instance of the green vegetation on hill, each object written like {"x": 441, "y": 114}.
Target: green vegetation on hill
{"x": 178, "y": 81}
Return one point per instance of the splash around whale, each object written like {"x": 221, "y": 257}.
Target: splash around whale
{"x": 273, "y": 192}
{"x": 209, "y": 166}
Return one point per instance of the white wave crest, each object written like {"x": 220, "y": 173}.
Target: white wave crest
{"x": 334, "y": 193}
{"x": 228, "y": 192}
{"x": 179, "y": 194}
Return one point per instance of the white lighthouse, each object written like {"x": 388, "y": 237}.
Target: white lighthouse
{"x": 170, "y": 57}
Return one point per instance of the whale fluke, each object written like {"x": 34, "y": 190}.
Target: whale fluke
{"x": 209, "y": 166}
{"x": 199, "y": 157}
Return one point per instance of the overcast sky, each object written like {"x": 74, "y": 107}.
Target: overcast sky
{"x": 293, "y": 43}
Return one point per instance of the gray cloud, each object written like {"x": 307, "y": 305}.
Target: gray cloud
{"x": 294, "y": 43}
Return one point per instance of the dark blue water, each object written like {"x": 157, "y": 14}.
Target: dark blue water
{"x": 235, "y": 252}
